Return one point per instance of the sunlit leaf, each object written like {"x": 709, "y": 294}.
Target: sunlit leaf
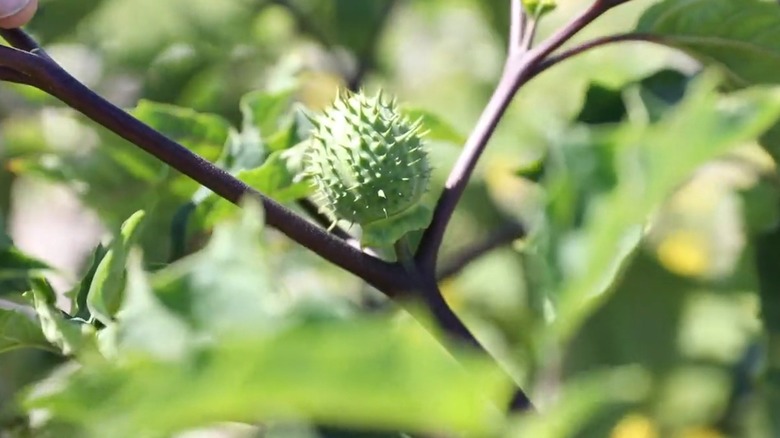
{"x": 365, "y": 373}
{"x": 144, "y": 324}
{"x": 61, "y": 331}
{"x": 108, "y": 283}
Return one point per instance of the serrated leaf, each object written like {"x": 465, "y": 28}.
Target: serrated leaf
{"x": 740, "y": 36}
{"x": 364, "y": 373}
{"x": 105, "y": 291}
{"x": 437, "y": 128}
{"x": 19, "y": 330}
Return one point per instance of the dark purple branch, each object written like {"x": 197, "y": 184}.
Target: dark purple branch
{"x": 503, "y": 236}
{"x": 49, "y": 77}
{"x": 592, "y": 44}
{"x": 446, "y": 319}
{"x": 519, "y": 70}
{"x": 11, "y": 75}
{"x": 19, "y": 39}
{"x": 530, "y": 34}
{"x": 314, "y": 212}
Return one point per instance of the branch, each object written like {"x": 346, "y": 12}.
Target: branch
{"x": 595, "y": 43}
{"x": 517, "y": 26}
{"x": 314, "y": 212}
{"x": 48, "y": 76}
{"x": 519, "y": 69}
{"x": 504, "y": 236}
{"x": 19, "y": 39}
{"x": 450, "y": 323}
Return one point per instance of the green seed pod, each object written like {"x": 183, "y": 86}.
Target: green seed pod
{"x": 369, "y": 167}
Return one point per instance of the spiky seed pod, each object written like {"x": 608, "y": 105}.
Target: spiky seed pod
{"x": 370, "y": 167}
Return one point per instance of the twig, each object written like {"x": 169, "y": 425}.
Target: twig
{"x": 530, "y": 33}
{"x": 10, "y": 75}
{"x": 595, "y": 43}
{"x": 519, "y": 69}
{"x": 517, "y": 26}
{"x": 19, "y": 39}
{"x": 48, "y": 76}
{"x": 504, "y": 236}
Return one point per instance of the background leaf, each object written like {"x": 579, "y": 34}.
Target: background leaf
{"x": 740, "y": 36}
{"x": 19, "y": 330}
{"x": 353, "y": 373}
{"x": 108, "y": 283}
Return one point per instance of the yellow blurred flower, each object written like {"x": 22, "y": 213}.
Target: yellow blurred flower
{"x": 701, "y": 432}
{"x": 634, "y": 426}
{"x": 684, "y": 253}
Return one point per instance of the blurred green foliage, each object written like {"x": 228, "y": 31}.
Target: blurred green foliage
{"x": 643, "y": 302}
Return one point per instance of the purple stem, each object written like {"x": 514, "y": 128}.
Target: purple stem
{"x": 519, "y": 69}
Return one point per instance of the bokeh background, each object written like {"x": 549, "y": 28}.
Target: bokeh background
{"x": 686, "y": 310}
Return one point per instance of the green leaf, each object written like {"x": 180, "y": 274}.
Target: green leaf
{"x": 58, "y": 329}
{"x": 297, "y": 129}
{"x": 690, "y": 332}
{"x": 108, "y": 283}
{"x": 602, "y": 105}
{"x": 19, "y": 330}
{"x": 175, "y": 21}
{"x": 117, "y": 179}
{"x": 144, "y": 324}
{"x": 363, "y": 373}
{"x": 437, "y": 129}
{"x": 226, "y": 287}
{"x": 263, "y": 110}
{"x": 651, "y": 161}
{"x": 78, "y": 294}
{"x": 582, "y": 400}
{"x": 280, "y": 178}
{"x": 740, "y": 36}
{"x": 16, "y": 268}
{"x": 202, "y": 133}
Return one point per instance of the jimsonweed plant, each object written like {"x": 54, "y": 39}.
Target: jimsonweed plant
{"x": 607, "y": 267}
